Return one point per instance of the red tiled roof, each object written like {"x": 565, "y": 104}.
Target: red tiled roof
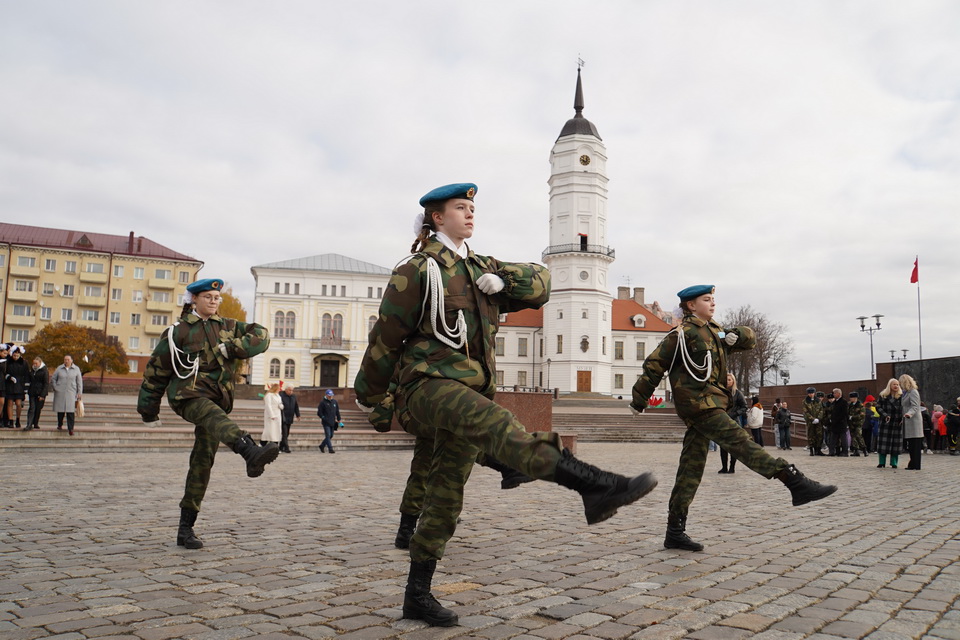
{"x": 524, "y": 318}
{"x": 625, "y": 310}
{"x": 69, "y": 240}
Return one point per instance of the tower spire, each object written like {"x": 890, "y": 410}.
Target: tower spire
{"x": 578, "y": 98}
{"x": 578, "y": 125}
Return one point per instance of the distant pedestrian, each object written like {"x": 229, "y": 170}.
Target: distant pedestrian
{"x": 952, "y": 422}
{"x": 784, "y": 420}
{"x": 871, "y": 423}
{"x": 4, "y": 356}
{"x": 773, "y": 423}
{"x": 67, "y": 384}
{"x": 912, "y": 420}
{"x": 755, "y": 420}
{"x": 838, "y": 424}
{"x": 890, "y": 438}
{"x": 272, "y": 416}
{"x": 928, "y": 432}
{"x": 738, "y": 411}
{"x": 16, "y": 378}
{"x": 855, "y": 418}
{"x": 813, "y": 416}
{"x": 329, "y": 412}
{"x": 37, "y": 392}
{"x": 291, "y": 412}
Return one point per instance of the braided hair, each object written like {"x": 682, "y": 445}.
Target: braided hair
{"x": 429, "y": 226}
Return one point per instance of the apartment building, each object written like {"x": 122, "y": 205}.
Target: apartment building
{"x": 128, "y": 286}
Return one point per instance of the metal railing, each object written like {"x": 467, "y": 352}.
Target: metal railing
{"x": 579, "y": 248}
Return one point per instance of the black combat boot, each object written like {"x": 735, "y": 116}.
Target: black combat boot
{"x": 419, "y": 603}
{"x": 257, "y": 457}
{"x": 408, "y": 524}
{"x": 676, "y": 537}
{"x": 602, "y": 492}
{"x": 802, "y": 488}
{"x": 185, "y": 535}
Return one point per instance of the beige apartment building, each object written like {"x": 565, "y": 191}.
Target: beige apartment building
{"x": 128, "y": 286}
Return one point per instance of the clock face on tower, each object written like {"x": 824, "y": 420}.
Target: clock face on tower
{"x": 584, "y": 160}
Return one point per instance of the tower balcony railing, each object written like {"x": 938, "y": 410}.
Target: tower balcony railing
{"x": 579, "y": 248}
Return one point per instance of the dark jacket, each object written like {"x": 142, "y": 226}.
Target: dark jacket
{"x": 16, "y": 377}
{"x": 39, "y": 383}
{"x": 738, "y": 406}
{"x": 329, "y": 412}
{"x": 291, "y": 408}
{"x": 783, "y": 417}
{"x": 841, "y": 412}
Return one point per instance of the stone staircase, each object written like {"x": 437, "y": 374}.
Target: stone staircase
{"x": 605, "y": 427}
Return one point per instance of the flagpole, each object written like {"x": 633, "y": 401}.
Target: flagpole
{"x": 919, "y": 324}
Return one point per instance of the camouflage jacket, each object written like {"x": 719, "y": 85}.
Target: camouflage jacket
{"x": 197, "y": 338}
{"x": 403, "y": 348}
{"x": 812, "y": 410}
{"x": 855, "y": 416}
{"x": 691, "y": 396}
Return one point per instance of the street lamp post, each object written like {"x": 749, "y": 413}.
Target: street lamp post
{"x": 893, "y": 357}
{"x": 548, "y": 374}
{"x": 870, "y": 330}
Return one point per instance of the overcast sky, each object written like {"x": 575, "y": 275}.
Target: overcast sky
{"x": 798, "y": 155}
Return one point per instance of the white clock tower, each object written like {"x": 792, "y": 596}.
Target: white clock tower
{"x": 576, "y": 321}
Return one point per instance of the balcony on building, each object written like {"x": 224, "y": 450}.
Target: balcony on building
{"x": 92, "y": 277}
{"x": 90, "y": 324}
{"x": 21, "y": 321}
{"x": 335, "y": 343}
{"x": 160, "y": 283}
{"x": 24, "y": 272}
{"x": 155, "y": 305}
{"x": 22, "y": 296}
{"x": 580, "y": 248}
{"x": 154, "y": 329}
{"x": 92, "y": 301}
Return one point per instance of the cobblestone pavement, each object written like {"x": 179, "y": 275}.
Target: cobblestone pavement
{"x": 87, "y": 550}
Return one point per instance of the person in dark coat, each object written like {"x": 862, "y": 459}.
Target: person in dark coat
{"x": 738, "y": 411}
{"x": 4, "y": 356}
{"x": 37, "y": 392}
{"x": 291, "y": 412}
{"x": 15, "y": 378}
{"x": 841, "y": 414}
{"x": 329, "y": 412}
{"x": 783, "y": 422}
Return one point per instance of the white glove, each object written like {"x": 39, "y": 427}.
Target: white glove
{"x": 816, "y": 421}
{"x": 364, "y": 408}
{"x": 223, "y": 349}
{"x": 14, "y": 380}
{"x": 731, "y": 338}
{"x": 154, "y": 424}
{"x": 490, "y": 283}
{"x": 635, "y": 412}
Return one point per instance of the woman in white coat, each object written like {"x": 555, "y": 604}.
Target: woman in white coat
{"x": 272, "y": 413}
{"x": 67, "y": 385}
{"x": 912, "y": 420}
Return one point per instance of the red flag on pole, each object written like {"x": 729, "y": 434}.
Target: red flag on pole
{"x": 915, "y": 276}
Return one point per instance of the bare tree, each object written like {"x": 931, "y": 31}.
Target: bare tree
{"x": 774, "y": 350}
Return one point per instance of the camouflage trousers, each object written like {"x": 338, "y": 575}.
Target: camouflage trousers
{"x": 416, "y": 488}
{"x": 856, "y": 439}
{"x": 462, "y": 424}
{"x": 716, "y": 425}
{"x": 213, "y": 426}
{"x": 815, "y": 436}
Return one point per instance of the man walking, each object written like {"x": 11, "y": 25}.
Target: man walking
{"x": 329, "y": 412}
{"x": 291, "y": 412}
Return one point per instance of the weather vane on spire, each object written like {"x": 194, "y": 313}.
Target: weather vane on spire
{"x": 580, "y": 62}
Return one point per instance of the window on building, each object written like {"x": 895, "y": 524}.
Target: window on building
{"x": 323, "y": 290}
{"x": 134, "y": 319}
{"x": 93, "y": 292}
{"x": 114, "y": 317}
{"x": 90, "y": 315}
{"x": 20, "y": 336}
{"x": 136, "y": 295}
{"x": 369, "y": 292}
{"x": 522, "y": 378}
{"x": 326, "y": 326}
{"x": 134, "y": 343}
{"x": 333, "y": 290}
{"x": 161, "y": 296}
{"x": 46, "y": 313}
{"x": 338, "y": 326}
{"x": 500, "y": 346}
{"x": 138, "y": 273}
{"x": 153, "y": 343}
{"x": 522, "y": 347}
{"x": 159, "y": 320}
{"x": 583, "y": 314}
{"x": 3, "y": 260}
{"x": 23, "y": 285}
{"x": 48, "y": 288}
{"x": 274, "y": 368}
{"x": 50, "y": 265}
{"x": 68, "y": 290}
{"x": 379, "y": 292}
{"x": 22, "y": 310}
{"x": 26, "y": 261}
{"x": 70, "y": 266}
{"x": 343, "y": 291}
{"x": 133, "y": 365}
{"x": 371, "y": 321}
{"x": 618, "y": 381}
{"x": 116, "y": 294}
{"x": 618, "y": 350}
{"x": 541, "y": 347}
{"x": 276, "y": 287}
{"x": 179, "y": 299}
{"x": 500, "y": 376}
{"x": 184, "y": 277}
{"x": 603, "y": 345}
{"x": 66, "y": 315}
{"x": 291, "y": 330}
{"x": 559, "y": 314}
{"x": 641, "y": 350}
{"x": 289, "y": 369}
{"x": 118, "y": 271}
{"x": 279, "y": 324}
{"x": 296, "y": 288}
{"x": 94, "y": 267}
{"x": 286, "y": 287}
{"x": 559, "y": 344}
{"x": 163, "y": 274}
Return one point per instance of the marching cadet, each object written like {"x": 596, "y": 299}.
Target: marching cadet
{"x": 812, "y": 415}
{"x": 694, "y": 355}
{"x": 434, "y": 343}
{"x": 855, "y": 417}
{"x": 195, "y": 363}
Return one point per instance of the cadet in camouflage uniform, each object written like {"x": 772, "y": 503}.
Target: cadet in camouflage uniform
{"x": 813, "y": 416}
{"x": 855, "y": 422}
{"x": 435, "y": 341}
{"x": 195, "y": 363}
{"x": 694, "y": 355}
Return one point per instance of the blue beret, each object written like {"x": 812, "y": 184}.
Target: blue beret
{"x": 465, "y": 190}
{"x": 207, "y": 284}
{"x": 695, "y": 291}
